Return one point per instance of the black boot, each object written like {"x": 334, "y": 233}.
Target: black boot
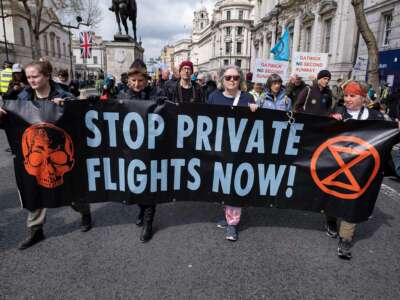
{"x": 36, "y": 236}
{"x": 139, "y": 221}
{"x": 147, "y": 232}
{"x": 331, "y": 227}
{"x": 86, "y": 223}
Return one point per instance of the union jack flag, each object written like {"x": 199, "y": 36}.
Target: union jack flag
{"x": 86, "y": 43}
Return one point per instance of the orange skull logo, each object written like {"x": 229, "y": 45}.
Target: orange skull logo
{"x": 48, "y": 154}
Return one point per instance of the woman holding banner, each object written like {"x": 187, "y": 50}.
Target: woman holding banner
{"x": 140, "y": 90}
{"x": 275, "y": 97}
{"x": 42, "y": 88}
{"x": 231, "y": 92}
{"x": 355, "y": 97}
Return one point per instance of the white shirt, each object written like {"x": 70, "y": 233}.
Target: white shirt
{"x": 354, "y": 114}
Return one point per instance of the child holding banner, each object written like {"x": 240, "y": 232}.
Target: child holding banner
{"x": 231, "y": 92}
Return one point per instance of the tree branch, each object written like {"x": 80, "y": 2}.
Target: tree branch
{"x": 14, "y": 15}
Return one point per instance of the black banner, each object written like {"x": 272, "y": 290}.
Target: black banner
{"x": 138, "y": 152}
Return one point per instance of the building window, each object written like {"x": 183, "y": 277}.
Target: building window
{"x": 201, "y": 25}
{"x": 64, "y": 50}
{"x": 95, "y": 60}
{"x": 238, "y": 63}
{"x": 226, "y": 62}
{"x": 228, "y": 47}
{"x": 45, "y": 44}
{"x": 291, "y": 36}
{"x": 239, "y": 30}
{"x": 58, "y": 47}
{"x": 228, "y": 15}
{"x": 228, "y": 30}
{"x": 307, "y": 39}
{"x": 387, "y": 19}
{"x": 74, "y": 59}
{"x": 22, "y": 34}
{"x": 202, "y": 15}
{"x": 238, "y": 48}
{"x": 52, "y": 44}
{"x": 240, "y": 14}
{"x": 85, "y": 61}
{"x": 327, "y": 33}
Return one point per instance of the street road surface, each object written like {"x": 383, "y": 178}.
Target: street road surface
{"x": 281, "y": 254}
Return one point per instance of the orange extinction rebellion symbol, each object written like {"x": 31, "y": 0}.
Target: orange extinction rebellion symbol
{"x": 359, "y": 151}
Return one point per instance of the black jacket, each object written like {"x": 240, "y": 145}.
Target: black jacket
{"x": 175, "y": 95}
{"x": 372, "y": 114}
{"x": 149, "y": 93}
{"x": 315, "y": 101}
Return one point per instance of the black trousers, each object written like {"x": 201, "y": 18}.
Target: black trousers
{"x": 147, "y": 213}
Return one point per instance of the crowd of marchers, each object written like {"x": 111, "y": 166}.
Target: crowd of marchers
{"x": 345, "y": 100}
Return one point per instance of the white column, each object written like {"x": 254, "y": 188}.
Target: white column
{"x": 296, "y": 34}
{"x": 316, "y": 34}
{"x": 265, "y": 46}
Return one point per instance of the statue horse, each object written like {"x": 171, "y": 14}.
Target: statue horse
{"x": 123, "y": 10}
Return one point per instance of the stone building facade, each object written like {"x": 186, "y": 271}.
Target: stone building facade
{"x": 222, "y": 39}
{"x": 54, "y": 41}
{"x": 383, "y": 17}
{"x": 325, "y": 26}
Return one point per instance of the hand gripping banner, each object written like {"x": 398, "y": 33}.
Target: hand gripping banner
{"x": 141, "y": 152}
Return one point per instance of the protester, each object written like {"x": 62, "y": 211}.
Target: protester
{"x": 109, "y": 91}
{"x": 371, "y": 93}
{"x": 17, "y": 84}
{"x": 318, "y": 98}
{"x": 337, "y": 94}
{"x": 5, "y": 77}
{"x": 385, "y": 93}
{"x": 249, "y": 81}
{"x": 185, "y": 90}
{"x": 393, "y": 103}
{"x": 163, "y": 79}
{"x": 211, "y": 87}
{"x": 231, "y": 92}
{"x": 355, "y": 95}
{"x": 99, "y": 83}
{"x": 42, "y": 88}
{"x": 201, "y": 79}
{"x": 294, "y": 87}
{"x": 275, "y": 97}
{"x": 258, "y": 92}
{"x": 123, "y": 85}
{"x": 140, "y": 90}
{"x": 74, "y": 88}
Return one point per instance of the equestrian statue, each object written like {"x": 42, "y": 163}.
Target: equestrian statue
{"x": 123, "y": 10}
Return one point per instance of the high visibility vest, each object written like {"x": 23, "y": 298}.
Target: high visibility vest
{"x": 5, "y": 78}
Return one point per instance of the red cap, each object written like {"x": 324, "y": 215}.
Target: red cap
{"x": 186, "y": 63}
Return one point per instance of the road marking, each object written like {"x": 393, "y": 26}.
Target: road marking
{"x": 390, "y": 192}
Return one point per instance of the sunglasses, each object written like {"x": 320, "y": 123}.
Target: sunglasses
{"x": 230, "y": 77}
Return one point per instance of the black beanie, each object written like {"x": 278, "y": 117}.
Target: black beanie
{"x": 324, "y": 73}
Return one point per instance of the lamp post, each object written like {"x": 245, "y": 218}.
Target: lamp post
{"x": 4, "y": 29}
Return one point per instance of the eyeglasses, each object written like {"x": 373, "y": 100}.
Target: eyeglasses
{"x": 230, "y": 77}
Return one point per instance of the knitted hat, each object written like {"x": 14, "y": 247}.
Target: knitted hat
{"x": 323, "y": 74}
{"x": 186, "y": 63}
